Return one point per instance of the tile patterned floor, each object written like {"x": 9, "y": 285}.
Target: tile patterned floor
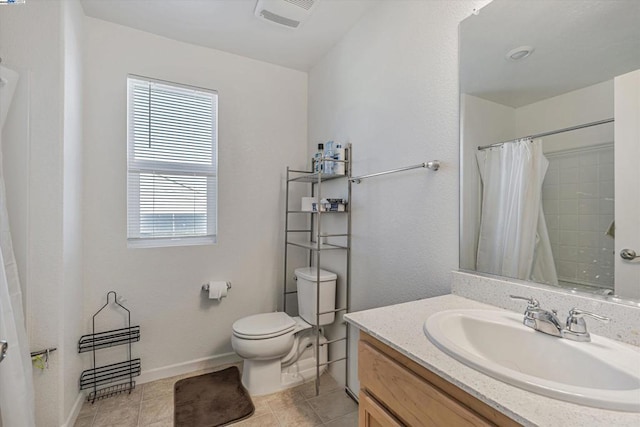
{"x": 151, "y": 404}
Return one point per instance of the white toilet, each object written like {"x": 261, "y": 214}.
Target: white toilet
{"x": 278, "y": 350}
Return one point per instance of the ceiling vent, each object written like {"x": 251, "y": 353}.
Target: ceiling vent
{"x": 285, "y": 13}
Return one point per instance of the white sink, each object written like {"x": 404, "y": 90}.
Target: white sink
{"x": 601, "y": 373}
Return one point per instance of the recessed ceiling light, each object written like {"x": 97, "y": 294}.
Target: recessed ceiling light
{"x": 519, "y": 53}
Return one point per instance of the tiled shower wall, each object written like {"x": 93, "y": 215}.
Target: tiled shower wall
{"x": 578, "y": 202}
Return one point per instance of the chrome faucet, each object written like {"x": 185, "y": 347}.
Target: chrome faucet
{"x": 547, "y": 321}
{"x": 540, "y": 319}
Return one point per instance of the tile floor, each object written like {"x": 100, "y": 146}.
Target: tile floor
{"x": 151, "y": 404}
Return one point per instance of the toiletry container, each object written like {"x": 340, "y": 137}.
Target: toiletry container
{"x": 328, "y": 154}
{"x": 339, "y": 167}
{"x": 307, "y": 204}
{"x": 307, "y": 292}
{"x": 317, "y": 163}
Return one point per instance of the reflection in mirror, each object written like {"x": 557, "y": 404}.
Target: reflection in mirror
{"x": 538, "y": 88}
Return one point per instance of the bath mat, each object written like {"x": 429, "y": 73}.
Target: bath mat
{"x": 210, "y": 400}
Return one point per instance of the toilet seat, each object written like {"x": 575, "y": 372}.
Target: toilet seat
{"x": 263, "y": 326}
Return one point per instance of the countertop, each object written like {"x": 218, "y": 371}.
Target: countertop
{"x": 400, "y": 327}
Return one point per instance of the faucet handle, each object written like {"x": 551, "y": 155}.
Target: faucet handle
{"x": 576, "y": 327}
{"x": 575, "y": 321}
{"x": 532, "y": 302}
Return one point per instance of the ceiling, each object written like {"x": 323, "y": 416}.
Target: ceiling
{"x": 577, "y": 44}
{"x": 231, "y": 26}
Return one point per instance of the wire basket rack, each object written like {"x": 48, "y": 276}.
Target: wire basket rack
{"x": 100, "y": 379}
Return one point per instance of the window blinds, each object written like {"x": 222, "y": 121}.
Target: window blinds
{"x": 172, "y": 179}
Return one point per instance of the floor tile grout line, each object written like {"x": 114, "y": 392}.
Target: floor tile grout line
{"x": 140, "y": 406}
{"x": 273, "y": 414}
{"x": 95, "y": 414}
{"x": 324, "y": 394}
{"x": 314, "y": 411}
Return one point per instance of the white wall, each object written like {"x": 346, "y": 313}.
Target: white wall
{"x": 31, "y": 40}
{"x": 262, "y": 129}
{"x": 390, "y": 87}
{"x": 71, "y": 296}
{"x": 40, "y": 40}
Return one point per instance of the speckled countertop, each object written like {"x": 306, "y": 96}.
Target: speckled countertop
{"x": 400, "y": 327}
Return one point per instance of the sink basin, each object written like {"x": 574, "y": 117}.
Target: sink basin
{"x": 601, "y": 373}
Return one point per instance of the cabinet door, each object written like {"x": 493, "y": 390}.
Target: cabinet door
{"x": 372, "y": 414}
{"x": 414, "y": 400}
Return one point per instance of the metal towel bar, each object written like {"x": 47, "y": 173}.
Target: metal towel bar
{"x": 434, "y": 165}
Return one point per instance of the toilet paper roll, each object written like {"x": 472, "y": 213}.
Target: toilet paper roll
{"x": 218, "y": 290}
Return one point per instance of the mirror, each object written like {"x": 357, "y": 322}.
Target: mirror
{"x": 538, "y": 194}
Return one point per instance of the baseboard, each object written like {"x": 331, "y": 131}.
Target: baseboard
{"x": 186, "y": 367}
{"x": 75, "y": 410}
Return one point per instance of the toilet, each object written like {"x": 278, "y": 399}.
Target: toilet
{"x": 278, "y": 349}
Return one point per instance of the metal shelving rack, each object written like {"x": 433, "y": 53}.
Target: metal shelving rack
{"x": 316, "y": 248}
{"x": 122, "y": 373}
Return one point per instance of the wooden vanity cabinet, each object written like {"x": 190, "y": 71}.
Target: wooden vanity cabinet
{"x": 396, "y": 391}
{"x": 373, "y": 414}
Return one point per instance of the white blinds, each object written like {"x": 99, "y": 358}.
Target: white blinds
{"x": 172, "y": 181}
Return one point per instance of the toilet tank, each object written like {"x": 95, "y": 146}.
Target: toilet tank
{"x": 307, "y": 294}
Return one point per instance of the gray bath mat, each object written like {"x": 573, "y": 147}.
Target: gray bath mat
{"x": 210, "y": 400}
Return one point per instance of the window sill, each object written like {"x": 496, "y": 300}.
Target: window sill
{"x": 171, "y": 242}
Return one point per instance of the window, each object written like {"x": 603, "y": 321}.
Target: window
{"x": 172, "y": 164}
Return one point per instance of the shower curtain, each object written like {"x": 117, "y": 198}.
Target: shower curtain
{"x": 16, "y": 379}
{"x": 513, "y": 240}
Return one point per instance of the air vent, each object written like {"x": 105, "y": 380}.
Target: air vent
{"x": 305, "y": 4}
{"x": 279, "y": 19}
{"x": 285, "y": 13}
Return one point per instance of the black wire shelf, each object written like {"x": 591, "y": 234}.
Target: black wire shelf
{"x": 108, "y": 339}
{"x": 109, "y": 374}
{"x": 113, "y": 390}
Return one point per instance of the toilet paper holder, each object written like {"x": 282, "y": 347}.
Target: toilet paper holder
{"x": 205, "y": 287}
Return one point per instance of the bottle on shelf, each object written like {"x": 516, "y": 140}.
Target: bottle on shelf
{"x": 328, "y": 154}
{"x": 317, "y": 163}
{"x": 339, "y": 167}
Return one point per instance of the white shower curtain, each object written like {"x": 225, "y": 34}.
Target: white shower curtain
{"x": 513, "y": 240}
{"x": 16, "y": 379}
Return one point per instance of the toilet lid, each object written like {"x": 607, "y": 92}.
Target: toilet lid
{"x": 265, "y": 325}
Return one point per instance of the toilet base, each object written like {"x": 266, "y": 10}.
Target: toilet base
{"x": 262, "y": 377}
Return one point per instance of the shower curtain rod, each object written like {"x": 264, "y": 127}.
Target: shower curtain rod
{"x": 540, "y": 135}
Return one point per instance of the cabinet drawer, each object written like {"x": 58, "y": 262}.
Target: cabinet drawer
{"x": 410, "y": 398}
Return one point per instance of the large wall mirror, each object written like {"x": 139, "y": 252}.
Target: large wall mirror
{"x": 539, "y": 141}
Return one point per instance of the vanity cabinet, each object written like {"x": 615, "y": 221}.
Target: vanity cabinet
{"x": 373, "y": 414}
{"x": 396, "y": 391}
